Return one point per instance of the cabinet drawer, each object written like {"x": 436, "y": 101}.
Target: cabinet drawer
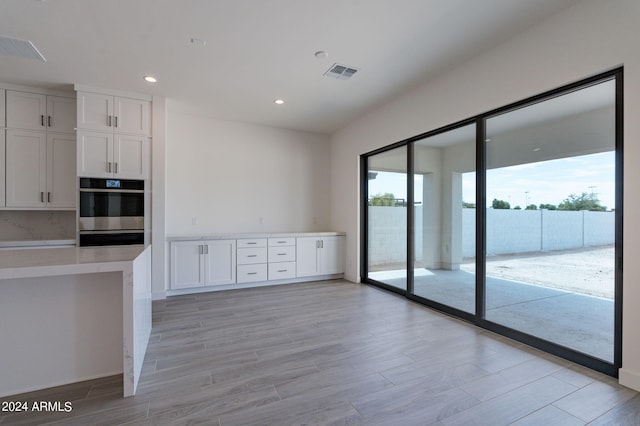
{"x": 248, "y": 256}
{"x": 282, "y": 254}
{"x": 255, "y": 242}
{"x": 282, "y": 270}
{"x": 251, "y": 273}
{"x": 276, "y": 242}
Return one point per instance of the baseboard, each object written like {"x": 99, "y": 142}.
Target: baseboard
{"x": 630, "y": 379}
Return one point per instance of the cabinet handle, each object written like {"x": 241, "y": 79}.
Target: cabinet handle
{"x": 252, "y": 243}
{"x": 42, "y": 197}
{"x": 282, "y": 254}
{"x": 282, "y": 270}
{"x": 42, "y": 120}
{"x": 115, "y": 117}
{"x": 321, "y": 243}
{"x": 49, "y": 120}
{"x": 48, "y": 197}
{"x": 115, "y": 165}
{"x": 252, "y": 273}
{"x": 252, "y": 255}
{"x": 281, "y": 242}
{"x": 200, "y": 249}
{"x": 109, "y": 167}
{"x": 108, "y": 121}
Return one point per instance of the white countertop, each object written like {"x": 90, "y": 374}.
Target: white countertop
{"x": 230, "y": 236}
{"x": 40, "y": 262}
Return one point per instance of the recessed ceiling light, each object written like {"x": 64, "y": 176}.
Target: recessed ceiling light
{"x": 321, "y": 54}
{"x": 278, "y": 102}
{"x": 536, "y": 149}
{"x": 198, "y": 41}
{"x": 150, "y": 79}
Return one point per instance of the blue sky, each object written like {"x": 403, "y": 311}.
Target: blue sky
{"x": 548, "y": 182}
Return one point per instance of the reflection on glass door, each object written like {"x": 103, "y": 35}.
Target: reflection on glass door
{"x": 550, "y": 221}
{"x": 387, "y": 217}
{"x": 445, "y": 216}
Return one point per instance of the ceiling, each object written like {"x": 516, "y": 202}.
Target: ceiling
{"x": 259, "y": 50}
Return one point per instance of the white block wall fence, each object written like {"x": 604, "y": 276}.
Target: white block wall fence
{"x": 508, "y": 231}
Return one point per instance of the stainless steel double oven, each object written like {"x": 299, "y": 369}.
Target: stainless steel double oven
{"x": 111, "y": 212}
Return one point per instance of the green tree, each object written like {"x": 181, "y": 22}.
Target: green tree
{"x": 583, "y": 201}
{"x": 500, "y": 204}
{"x": 548, "y": 206}
{"x": 517, "y": 208}
{"x": 531, "y": 207}
{"x": 466, "y": 205}
{"x": 382, "y": 200}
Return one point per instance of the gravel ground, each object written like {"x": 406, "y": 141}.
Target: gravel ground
{"x": 585, "y": 271}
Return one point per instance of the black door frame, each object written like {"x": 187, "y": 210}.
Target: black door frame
{"x": 479, "y": 318}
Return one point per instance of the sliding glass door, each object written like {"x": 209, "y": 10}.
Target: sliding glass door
{"x": 550, "y": 266}
{"x": 387, "y": 217}
{"x": 445, "y": 216}
{"x": 511, "y": 219}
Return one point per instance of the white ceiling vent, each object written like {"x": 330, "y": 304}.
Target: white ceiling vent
{"x": 10, "y": 46}
{"x": 340, "y": 72}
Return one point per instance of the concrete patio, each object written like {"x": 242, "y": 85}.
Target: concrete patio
{"x": 578, "y": 321}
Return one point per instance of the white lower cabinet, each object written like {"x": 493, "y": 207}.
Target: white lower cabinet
{"x": 202, "y": 263}
{"x": 319, "y": 256}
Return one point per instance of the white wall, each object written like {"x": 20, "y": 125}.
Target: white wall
{"x": 225, "y": 176}
{"x": 588, "y": 38}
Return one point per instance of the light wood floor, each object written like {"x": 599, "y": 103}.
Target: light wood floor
{"x": 335, "y": 353}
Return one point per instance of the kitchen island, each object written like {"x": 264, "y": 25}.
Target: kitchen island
{"x": 69, "y": 314}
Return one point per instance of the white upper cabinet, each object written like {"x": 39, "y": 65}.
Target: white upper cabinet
{"x": 26, "y": 110}
{"x": 61, "y": 170}
{"x": 40, "y": 170}
{"x": 61, "y": 114}
{"x": 106, "y": 113}
{"x": 132, "y": 116}
{"x": 26, "y": 168}
{"x": 32, "y": 111}
{"x": 130, "y": 156}
{"x": 105, "y": 155}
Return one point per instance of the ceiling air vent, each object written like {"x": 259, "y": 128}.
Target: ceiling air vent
{"x": 340, "y": 72}
{"x": 10, "y": 46}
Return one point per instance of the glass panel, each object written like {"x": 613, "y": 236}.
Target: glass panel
{"x": 445, "y": 218}
{"x": 387, "y": 216}
{"x": 550, "y": 220}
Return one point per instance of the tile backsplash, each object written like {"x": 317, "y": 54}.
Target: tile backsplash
{"x": 37, "y": 225}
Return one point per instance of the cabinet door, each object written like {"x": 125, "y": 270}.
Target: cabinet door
{"x": 95, "y": 111}
{"x": 26, "y": 168}
{"x": 61, "y": 114}
{"x": 307, "y": 257}
{"x": 61, "y": 171}
{"x": 132, "y": 116}
{"x": 2, "y": 110}
{"x": 332, "y": 255}
{"x": 220, "y": 262}
{"x": 131, "y": 156}
{"x": 186, "y": 264}
{"x": 95, "y": 154}
{"x": 26, "y": 110}
{"x": 2, "y": 169}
